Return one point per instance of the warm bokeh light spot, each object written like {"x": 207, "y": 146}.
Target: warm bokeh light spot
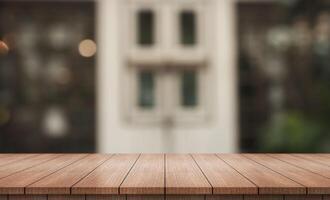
{"x": 87, "y": 48}
{"x": 3, "y": 48}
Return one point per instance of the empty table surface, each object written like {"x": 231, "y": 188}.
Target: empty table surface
{"x": 160, "y": 174}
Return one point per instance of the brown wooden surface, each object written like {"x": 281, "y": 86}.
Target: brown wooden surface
{"x": 302, "y": 162}
{"x": 304, "y": 197}
{"x": 265, "y": 197}
{"x": 66, "y": 197}
{"x": 10, "y": 158}
{"x": 27, "y": 197}
{"x": 15, "y": 184}
{"x": 107, "y": 178}
{"x": 185, "y": 197}
{"x": 168, "y": 197}
{"x": 147, "y": 176}
{"x": 105, "y": 197}
{"x": 183, "y": 176}
{"x": 314, "y": 183}
{"x": 223, "y": 178}
{"x": 145, "y": 197}
{"x": 317, "y": 158}
{"x": 267, "y": 180}
{"x": 19, "y": 165}
{"x": 61, "y": 181}
{"x": 159, "y": 176}
{"x": 224, "y": 197}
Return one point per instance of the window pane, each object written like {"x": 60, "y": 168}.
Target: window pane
{"x": 188, "y": 28}
{"x": 146, "y": 89}
{"x": 145, "y": 27}
{"x": 189, "y": 88}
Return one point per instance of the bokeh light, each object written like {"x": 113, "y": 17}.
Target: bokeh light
{"x": 87, "y": 48}
{"x": 4, "y": 49}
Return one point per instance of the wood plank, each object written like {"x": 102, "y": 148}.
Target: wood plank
{"x": 317, "y": 158}
{"x": 66, "y": 197}
{"x": 223, "y": 178}
{"x": 268, "y": 181}
{"x": 183, "y": 176}
{"x": 263, "y": 197}
{"x": 3, "y": 197}
{"x": 105, "y": 197}
{"x": 15, "y": 184}
{"x": 145, "y": 197}
{"x": 27, "y": 197}
{"x": 147, "y": 176}
{"x": 185, "y": 197}
{"x": 224, "y": 197}
{"x": 61, "y": 181}
{"x": 10, "y": 158}
{"x": 322, "y": 154}
{"x": 107, "y": 178}
{"x": 304, "y": 163}
{"x": 14, "y": 167}
{"x": 315, "y": 183}
{"x": 303, "y": 197}
{"x": 187, "y": 176}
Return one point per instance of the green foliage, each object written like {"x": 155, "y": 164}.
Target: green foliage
{"x": 291, "y": 132}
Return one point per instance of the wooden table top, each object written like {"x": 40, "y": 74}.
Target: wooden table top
{"x": 160, "y": 174}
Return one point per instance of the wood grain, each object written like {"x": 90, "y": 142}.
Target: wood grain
{"x": 147, "y": 197}
{"x": 185, "y": 197}
{"x": 147, "y": 176}
{"x": 19, "y": 165}
{"x": 3, "y": 197}
{"x": 61, "y": 181}
{"x": 224, "y": 197}
{"x": 268, "y": 181}
{"x": 303, "y": 197}
{"x": 15, "y": 184}
{"x": 159, "y": 176}
{"x": 66, "y": 197}
{"x": 223, "y": 178}
{"x": 317, "y": 158}
{"x": 105, "y": 197}
{"x": 107, "y": 178}
{"x": 304, "y": 163}
{"x": 315, "y": 183}
{"x": 263, "y": 197}
{"x": 183, "y": 176}
{"x": 10, "y": 158}
{"x": 27, "y": 197}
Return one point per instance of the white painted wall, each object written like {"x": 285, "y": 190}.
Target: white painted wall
{"x": 219, "y": 134}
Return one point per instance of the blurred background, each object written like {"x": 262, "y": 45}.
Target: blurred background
{"x": 165, "y": 76}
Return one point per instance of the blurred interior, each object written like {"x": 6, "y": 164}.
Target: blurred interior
{"x": 49, "y": 84}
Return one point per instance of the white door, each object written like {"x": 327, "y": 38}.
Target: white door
{"x": 166, "y": 76}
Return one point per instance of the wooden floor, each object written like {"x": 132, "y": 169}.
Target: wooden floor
{"x": 165, "y": 176}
